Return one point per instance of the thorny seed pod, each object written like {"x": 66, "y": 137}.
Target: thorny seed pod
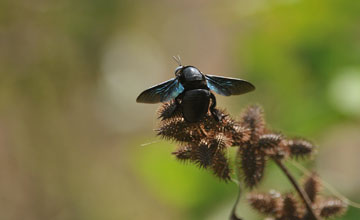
{"x": 239, "y": 134}
{"x": 176, "y": 129}
{"x": 266, "y": 203}
{"x": 300, "y": 148}
{"x": 220, "y": 166}
{"x": 168, "y": 110}
{"x": 290, "y": 209}
{"x": 312, "y": 187}
{"x": 269, "y": 141}
{"x": 332, "y": 207}
{"x": 219, "y": 141}
{"x": 203, "y": 154}
{"x": 251, "y": 161}
{"x": 183, "y": 153}
{"x": 272, "y": 146}
{"x": 253, "y": 119}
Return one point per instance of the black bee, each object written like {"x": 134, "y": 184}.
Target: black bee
{"x": 191, "y": 90}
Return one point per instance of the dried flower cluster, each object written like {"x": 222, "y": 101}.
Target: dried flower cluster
{"x": 263, "y": 144}
{"x": 280, "y": 207}
{"x": 205, "y": 143}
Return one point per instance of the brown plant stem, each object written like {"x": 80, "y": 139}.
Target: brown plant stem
{"x": 301, "y": 192}
{"x": 233, "y": 215}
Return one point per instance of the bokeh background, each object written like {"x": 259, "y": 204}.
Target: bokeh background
{"x": 74, "y": 144}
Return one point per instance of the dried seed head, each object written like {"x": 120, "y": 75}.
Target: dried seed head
{"x": 220, "y": 166}
{"x": 332, "y": 207}
{"x": 269, "y": 141}
{"x": 203, "y": 154}
{"x": 219, "y": 141}
{"x": 183, "y": 153}
{"x": 168, "y": 110}
{"x": 272, "y": 145}
{"x": 266, "y": 203}
{"x": 177, "y": 129}
{"x": 300, "y": 148}
{"x": 312, "y": 186}
{"x": 251, "y": 162}
{"x": 239, "y": 134}
{"x": 308, "y": 216}
{"x": 290, "y": 208}
{"x": 253, "y": 119}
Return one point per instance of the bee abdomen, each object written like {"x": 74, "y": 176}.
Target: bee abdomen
{"x": 195, "y": 104}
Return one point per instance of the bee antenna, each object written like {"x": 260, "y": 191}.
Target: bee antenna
{"x": 177, "y": 59}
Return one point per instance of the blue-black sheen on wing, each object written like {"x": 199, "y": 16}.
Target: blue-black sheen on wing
{"x": 162, "y": 92}
{"x": 228, "y": 86}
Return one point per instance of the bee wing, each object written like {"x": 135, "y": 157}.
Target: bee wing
{"x": 162, "y": 92}
{"x": 228, "y": 86}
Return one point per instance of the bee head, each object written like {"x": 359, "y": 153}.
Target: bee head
{"x": 190, "y": 73}
{"x": 178, "y": 70}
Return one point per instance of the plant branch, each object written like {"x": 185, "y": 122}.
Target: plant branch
{"x": 233, "y": 215}
{"x": 301, "y": 192}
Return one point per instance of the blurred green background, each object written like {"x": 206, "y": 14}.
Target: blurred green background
{"x": 75, "y": 145}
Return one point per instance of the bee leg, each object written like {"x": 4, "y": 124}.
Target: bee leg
{"x": 177, "y": 104}
{"x": 214, "y": 112}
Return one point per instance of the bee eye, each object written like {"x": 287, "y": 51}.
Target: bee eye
{"x": 177, "y": 70}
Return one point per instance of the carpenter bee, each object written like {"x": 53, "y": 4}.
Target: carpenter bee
{"x": 191, "y": 90}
